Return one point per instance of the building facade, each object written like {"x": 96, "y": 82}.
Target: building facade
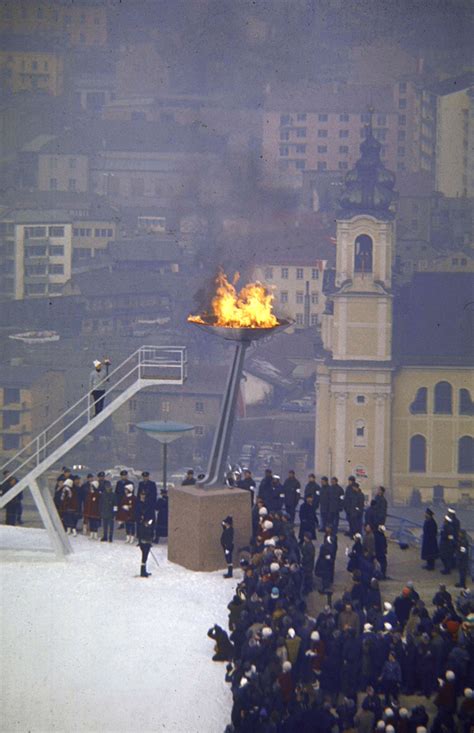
{"x": 394, "y": 391}
{"x": 455, "y": 138}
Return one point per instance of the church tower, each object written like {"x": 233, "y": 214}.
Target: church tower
{"x": 354, "y": 381}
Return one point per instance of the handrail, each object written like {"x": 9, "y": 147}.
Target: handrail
{"x": 145, "y": 356}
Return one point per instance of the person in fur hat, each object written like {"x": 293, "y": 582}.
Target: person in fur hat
{"x": 92, "y": 509}
{"x": 70, "y": 504}
{"x": 126, "y": 512}
{"x": 97, "y": 381}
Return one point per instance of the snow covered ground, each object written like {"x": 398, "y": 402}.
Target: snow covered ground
{"x": 87, "y": 646}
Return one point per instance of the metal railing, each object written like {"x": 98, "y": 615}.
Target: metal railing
{"x": 146, "y": 364}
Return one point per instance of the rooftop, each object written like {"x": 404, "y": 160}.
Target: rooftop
{"x": 434, "y": 320}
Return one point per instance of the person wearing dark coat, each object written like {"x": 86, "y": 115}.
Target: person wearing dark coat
{"x": 308, "y": 519}
{"x": 312, "y": 487}
{"x": 149, "y": 487}
{"x": 227, "y": 544}
{"x": 13, "y": 505}
{"x": 307, "y": 562}
{"x": 121, "y": 484}
{"x": 355, "y": 553}
{"x": 381, "y": 549}
{"x": 189, "y": 479}
{"x": 336, "y": 498}
{"x": 265, "y": 488}
{"x": 292, "y": 492}
{"x": 349, "y": 496}
{"x": 161, "y": 526}
{"x": 380, "y": 506}
{"x": 108, "y": 508}
{"x": 103, "y": 481}
{"x": 145, "y": 520}
{"x": 92, "y": 509}
{"x": 462, "y": 557}
{"x": 325, "y": 563}
{"x": 429, "y": 543}
{"x": 447, "y": 545}
{"x": 247, "y": 483}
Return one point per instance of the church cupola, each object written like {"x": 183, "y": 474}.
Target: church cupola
{"x": 369, "y": 186}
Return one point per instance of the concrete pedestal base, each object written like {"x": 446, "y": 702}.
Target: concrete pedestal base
{"x": 194, "y": 525}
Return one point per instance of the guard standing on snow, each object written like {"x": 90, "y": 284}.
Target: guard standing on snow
{"x": 145, "y": 529}
{"x": 227, "y": 542}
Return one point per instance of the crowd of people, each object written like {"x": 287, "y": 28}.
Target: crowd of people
{"x": 345, "y": 669}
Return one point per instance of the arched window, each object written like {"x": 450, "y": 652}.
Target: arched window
{"x": 363, "y": 253}
{"x": 466, "y": 454}
{"x": 417, "y": 454}
{"x": 466, "y": 405}
{"x": 360, "y": 434}
{"x": 443, "y": 398}
{"x": 418, "y": 406}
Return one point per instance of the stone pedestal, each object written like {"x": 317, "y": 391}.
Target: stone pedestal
{"x": 194, "y": 525}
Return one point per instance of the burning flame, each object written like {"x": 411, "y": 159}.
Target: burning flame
{"x": 251, "y": 308}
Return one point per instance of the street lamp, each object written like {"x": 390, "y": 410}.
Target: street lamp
{"x": 164, "y": 432}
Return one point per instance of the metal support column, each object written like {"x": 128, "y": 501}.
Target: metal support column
{"x": 220, "y": 447}
{"x": 51, "y": 520}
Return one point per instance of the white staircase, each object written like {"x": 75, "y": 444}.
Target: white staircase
{"x": 147, "y": 366}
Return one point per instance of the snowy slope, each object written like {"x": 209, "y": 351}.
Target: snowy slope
{"x": 87, "y": 646}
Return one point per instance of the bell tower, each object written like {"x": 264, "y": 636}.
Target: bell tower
{"x": 354, "y": 382}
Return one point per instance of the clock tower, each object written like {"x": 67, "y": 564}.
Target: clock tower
{"x": 354, "y": 381}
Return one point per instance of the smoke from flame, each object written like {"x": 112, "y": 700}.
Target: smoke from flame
{"x": 250, "y": 308}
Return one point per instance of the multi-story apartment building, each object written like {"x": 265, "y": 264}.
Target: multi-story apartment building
{"x": 30, "y": 68}
{"x": 30, "y": 399}
{"x": 455, "y": 137}
{"x": 36, "y": 258}
{"x": 59, "y": 170}
{"x": 35, "y": 253}
{"x": 321, "y": 128}
{"x": 297, "y": 283}
{"x": 78, "y": 23}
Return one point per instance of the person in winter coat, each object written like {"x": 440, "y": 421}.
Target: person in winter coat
{"x": 307, "y": 562}
{"x": 462, "y": 557}
{"x": 122, "y": 483}
{"x": 381, "y": 549}
{"x": 312, "y": 487}
{"x": 92, "y": 509}
{"x": 149, "y": 487}
{"x": 127, "y": 511}
{"x": 354, "y": 554}
{"x": 292, "y": 492}
{"x": 145, "y": 521}
{"x": 380, "y": 506}
{"x": 70, "y": 505}
{"x": 227, "y": 544}
{"x": 336, "y": 498}
{"x": 447, "y": 545}
{"x": 108, "y": 508}
{"x": 265, "y": 488}
{"x": 429, "y": 543}
{"x": 368, "y": 542}
{"x": 349, "y": 494}
{"x": 97, "y": 386}
{"x": 325, "y": 563}
{"x": 308, "y": 518}
{"x": 13, "y": 505}
{"x": 247, "y": 483}
{"x": 161, "y": 528}
{"x": 391, "y": 678}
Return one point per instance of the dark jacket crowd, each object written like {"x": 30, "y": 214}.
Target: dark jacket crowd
{"x": 345, "y": 669}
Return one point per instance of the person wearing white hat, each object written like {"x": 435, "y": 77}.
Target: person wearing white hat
{"x": 447, "y": 545}
{"x": 97, "y": 383}
{"x": 92, "y": 509}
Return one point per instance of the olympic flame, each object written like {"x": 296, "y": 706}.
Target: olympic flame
{"x": 249, "y": 308}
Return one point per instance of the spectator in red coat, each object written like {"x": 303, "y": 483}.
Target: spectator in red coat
{"x": 126, "y": 512}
